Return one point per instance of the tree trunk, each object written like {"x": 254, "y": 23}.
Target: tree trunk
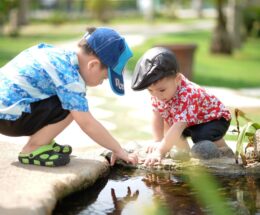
{"x": 235, "y": 23}
{"x": 147, "y": 8}
{"x": 1, "y": 26}
{"x": 221, "y": 42}
{"x": 69, "y": 5}
{"x": 23, "y": 10}
{"x": 13, "y": 29}
{"x": 82, "y": 6}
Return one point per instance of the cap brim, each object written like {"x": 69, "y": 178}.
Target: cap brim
{"x": 115, "y": 74}
{"x": 116, "y": 82}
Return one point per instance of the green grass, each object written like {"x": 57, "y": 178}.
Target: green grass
{"x": 252, "y": 113}
{"x": 34, "y": 34}
{"x": 10, "y": 47}
{"x": 236, "y": 71}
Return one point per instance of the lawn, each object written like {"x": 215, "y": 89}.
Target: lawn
{"x": 34, "y": 34}
{"x": 236, "y": 71}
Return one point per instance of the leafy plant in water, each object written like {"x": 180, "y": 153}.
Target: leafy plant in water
{"x": 207, "y": 191}
{"x": 248, "y": 131}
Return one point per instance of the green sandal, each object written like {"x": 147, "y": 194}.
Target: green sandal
{"x": 44, "y": 156}
{"x": 63, "y": 149}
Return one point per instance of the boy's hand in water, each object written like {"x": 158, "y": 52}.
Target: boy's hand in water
{"x": 153, "y": 158}
{"x": 152, "y": 147}
{"x": 127, "y": 157}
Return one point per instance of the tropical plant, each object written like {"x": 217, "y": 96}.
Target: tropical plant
{"x": 248, "y": 143}
{"x": 221, "y": 42}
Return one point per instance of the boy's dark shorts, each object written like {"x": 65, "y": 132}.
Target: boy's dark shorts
{"x": 43, "y": 113}
{"x": 213, "y": 130}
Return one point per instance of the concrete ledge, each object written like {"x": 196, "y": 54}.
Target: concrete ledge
{"x": 28, "y": 189}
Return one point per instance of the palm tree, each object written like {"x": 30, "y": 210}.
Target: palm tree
{"x": 221, "y": 42}
{"x": 23, "y": 10}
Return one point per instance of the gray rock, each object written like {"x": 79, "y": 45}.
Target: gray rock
{"x": 205, "y": 150}
{"x": 225, "y": 151}
{"x": 180, "y": 154}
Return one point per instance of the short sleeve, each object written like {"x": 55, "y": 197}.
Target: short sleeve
{"x": 72, "y": 97}
{"x": 154, "y": 104}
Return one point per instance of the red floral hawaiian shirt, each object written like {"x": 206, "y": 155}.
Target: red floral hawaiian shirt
{"x": 191, "y": 104}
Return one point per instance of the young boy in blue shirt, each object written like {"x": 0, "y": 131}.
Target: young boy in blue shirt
{"x": 43, "y": 89}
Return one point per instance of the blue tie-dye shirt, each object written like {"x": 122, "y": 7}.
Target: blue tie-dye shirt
{"x": 38, "y": 73}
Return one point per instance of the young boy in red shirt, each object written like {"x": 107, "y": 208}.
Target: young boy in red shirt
{"x": 181, "y": 108}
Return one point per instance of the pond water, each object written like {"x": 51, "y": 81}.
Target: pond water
{"x": 143, "y": 192}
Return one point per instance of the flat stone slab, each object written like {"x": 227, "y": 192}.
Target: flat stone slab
{"x": 33, "y": 190}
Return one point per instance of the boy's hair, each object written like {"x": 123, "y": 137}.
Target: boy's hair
{"x": 86, "y": 47}
{"x": 156, "y": 64}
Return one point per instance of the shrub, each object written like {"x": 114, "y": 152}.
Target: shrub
{"x": 252, "y": 21}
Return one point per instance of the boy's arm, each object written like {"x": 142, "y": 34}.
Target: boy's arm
{"x": 172, "y": 136}
{"x": 158, "y": 131}
{"x": 157, "y": 126}
{"x": 99, "y": 134}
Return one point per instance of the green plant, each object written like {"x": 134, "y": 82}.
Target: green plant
{"x": 57, "y": 18}
{"x": 206, "y": 188}
{"x": 248, "y": 137}
{"x": 252, "y": 20}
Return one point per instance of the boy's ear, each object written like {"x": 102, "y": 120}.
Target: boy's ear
{"x": 93, "y": 63}
{"x": 178, "y": 77}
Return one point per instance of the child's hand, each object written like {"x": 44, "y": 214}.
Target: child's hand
{"x": 152, "y": 158}
{"x": 152, "y": 147}
{"x": 127, "y": 157}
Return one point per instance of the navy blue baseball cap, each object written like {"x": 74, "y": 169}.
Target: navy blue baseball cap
{"x": 113, "y": 51}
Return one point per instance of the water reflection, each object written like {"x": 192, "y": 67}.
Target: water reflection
{"x": 119, "y": 203}
{"x": 173, "y": 193}
{"x": 79, "y": 201}
{"x": 244, "y": 193}
{"x": 140, "y": 192}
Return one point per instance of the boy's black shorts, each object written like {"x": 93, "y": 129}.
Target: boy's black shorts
{"x": 213, "y": 130}
{"x": 43, "y": 113}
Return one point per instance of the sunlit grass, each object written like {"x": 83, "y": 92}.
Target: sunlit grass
{"x": 34, "y": 34}
{"x": 236, "y": 71}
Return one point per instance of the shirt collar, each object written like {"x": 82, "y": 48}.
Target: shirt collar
{"x": 74, "y": 59}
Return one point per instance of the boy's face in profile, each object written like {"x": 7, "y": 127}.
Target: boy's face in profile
{"x": 97, "y": 75}
{"x": 93, "y": 72}
{"x": 165, "y": 88}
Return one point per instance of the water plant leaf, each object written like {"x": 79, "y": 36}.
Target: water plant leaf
{"x": 208, "y": 191}
{"x": 245, "y": 132}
